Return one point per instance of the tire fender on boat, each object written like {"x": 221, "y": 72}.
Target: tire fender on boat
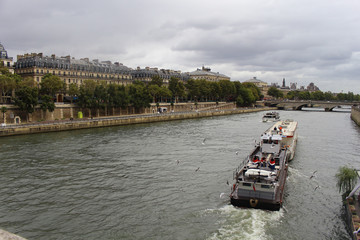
{"x": 253, "y": 202}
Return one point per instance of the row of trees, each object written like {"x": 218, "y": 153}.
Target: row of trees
{"x": 96, "y": 95}
{"x": 317, "y": 95}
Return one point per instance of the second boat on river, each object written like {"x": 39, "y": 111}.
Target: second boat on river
{"x": 260, "y": 178}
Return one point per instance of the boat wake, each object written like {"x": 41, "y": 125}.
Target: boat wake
{"x": 249, "y": 224}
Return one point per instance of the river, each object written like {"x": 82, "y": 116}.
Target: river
{"x": 164, "y": 181}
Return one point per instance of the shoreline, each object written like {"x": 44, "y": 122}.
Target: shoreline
{"x": 68, "y": 125}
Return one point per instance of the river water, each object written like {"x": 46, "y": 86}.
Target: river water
{"x": 164, "y": 181}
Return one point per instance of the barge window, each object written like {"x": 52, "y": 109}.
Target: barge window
{"x": 265, "y": 186}
{"x": 247, "y": 184}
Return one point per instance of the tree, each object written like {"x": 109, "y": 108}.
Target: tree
{"x": 177, "y": 88}
{"x": 27, "y": 99}
{"x": 215, "y": 91}
{"x": 346, "y": 179}
{"x": 192, "y": 89}
{"x": 305, "y": 95}
{"x": 7, "y": 84}
{"x": 154, "y": 91}
{"x": 156, "y": 80}
{"x": 118, "y": 97}
{"x": 51, "y": 84}
{"x": 255, "y": 90}
{"x": 4, "y": 110}
{"x": 101, "y": 98}
{"x": 47, "y": 103}
{"x": 204, "y": 89}
{"x": 139, "y": 95}
{"x": 328, "y": 96}
{"x": 247, "y": 96}
{"x": 239, "y": 101}
{"x": 86, "y": 94}
{"x": 274, "y": 92}
{"x": 317, "y": 95}
{"x": 165, "y": 93}
{"x": 73, "y": 91}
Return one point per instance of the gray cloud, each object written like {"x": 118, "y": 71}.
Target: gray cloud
{"x": 303, "y": 41}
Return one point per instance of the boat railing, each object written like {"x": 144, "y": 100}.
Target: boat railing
{"x": 241, "y": 165}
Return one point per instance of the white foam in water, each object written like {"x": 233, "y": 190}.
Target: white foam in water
{"x": 249, "y": 224}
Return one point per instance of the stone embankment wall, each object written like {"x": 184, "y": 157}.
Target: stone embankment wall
{"x": 355, "y": 114}
{"x": 66, "y": 111}
{"x": 117, "y": 121}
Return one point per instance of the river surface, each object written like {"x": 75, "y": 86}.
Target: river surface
{"x": 164, "y": 181}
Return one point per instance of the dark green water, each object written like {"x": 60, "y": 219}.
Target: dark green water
{"x": 140, "y": 182}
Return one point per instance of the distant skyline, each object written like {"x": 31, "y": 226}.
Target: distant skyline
{"x": 301, "y": 41}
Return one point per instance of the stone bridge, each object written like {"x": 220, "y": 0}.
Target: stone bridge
{"x": 297, "y": 105}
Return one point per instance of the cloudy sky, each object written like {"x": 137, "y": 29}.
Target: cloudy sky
{"x": 300, "y": 40}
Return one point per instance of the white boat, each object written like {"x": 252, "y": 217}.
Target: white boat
{"x": 260, "y": 179}
{"x": 271, "y": 117}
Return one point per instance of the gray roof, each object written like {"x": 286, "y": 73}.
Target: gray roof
{"x": 255, "y": 80}
{"x": 71, "y": 63}
{"x": 201, "y": 72}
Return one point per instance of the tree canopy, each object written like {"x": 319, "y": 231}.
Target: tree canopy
{"x": 346, "y": 179}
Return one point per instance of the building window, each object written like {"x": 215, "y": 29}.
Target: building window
{"x": 42, "y": 71}
{"x": 37, "y": 79}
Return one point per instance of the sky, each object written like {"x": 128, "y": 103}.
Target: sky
{"x": 300, "y": 40}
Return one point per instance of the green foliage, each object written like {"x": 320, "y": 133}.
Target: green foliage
{"x": 86, "y": 94}
{"x": 193, "y": 90}
{"x": 7, "y": 84}
{"x": 247, "y": 97}
{"x": 26, "y": 82}
{"x": 321, "y": 96}
{"x": 177, "y": 88}
{"x": 139, "y": 95}
{"x": 47, "y": 103}
{"x": 318, "y": 95}
{"x": 100, "y": 99}
{"x": 165, "y": 93}
{"x": 3, "y": 110}
{"x": 118, "y": 96}
{"x": 73, "y": 91}
{"x": 239, "y": 101}
{"x": 346, "y": 179}
{"x": 51, "y": 84}
{"x": 274, "y": 92}
{"x": 156, "y": 80}
{"x": 255, "y": 90}
{"x": 228, "y": 90}
{"x": 154, "y": 91}
{"x": 26, "y": 98}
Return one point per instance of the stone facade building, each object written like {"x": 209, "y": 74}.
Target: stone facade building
{"x": 5, "y": 60}
{"x": 205, "y": 73}
{"x": 71, "y": 70}
{"x": 146, "y": 74}
{"x": 263, "y": 86}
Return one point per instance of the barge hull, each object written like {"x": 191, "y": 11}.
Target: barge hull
{"x": 245, "y": 203}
